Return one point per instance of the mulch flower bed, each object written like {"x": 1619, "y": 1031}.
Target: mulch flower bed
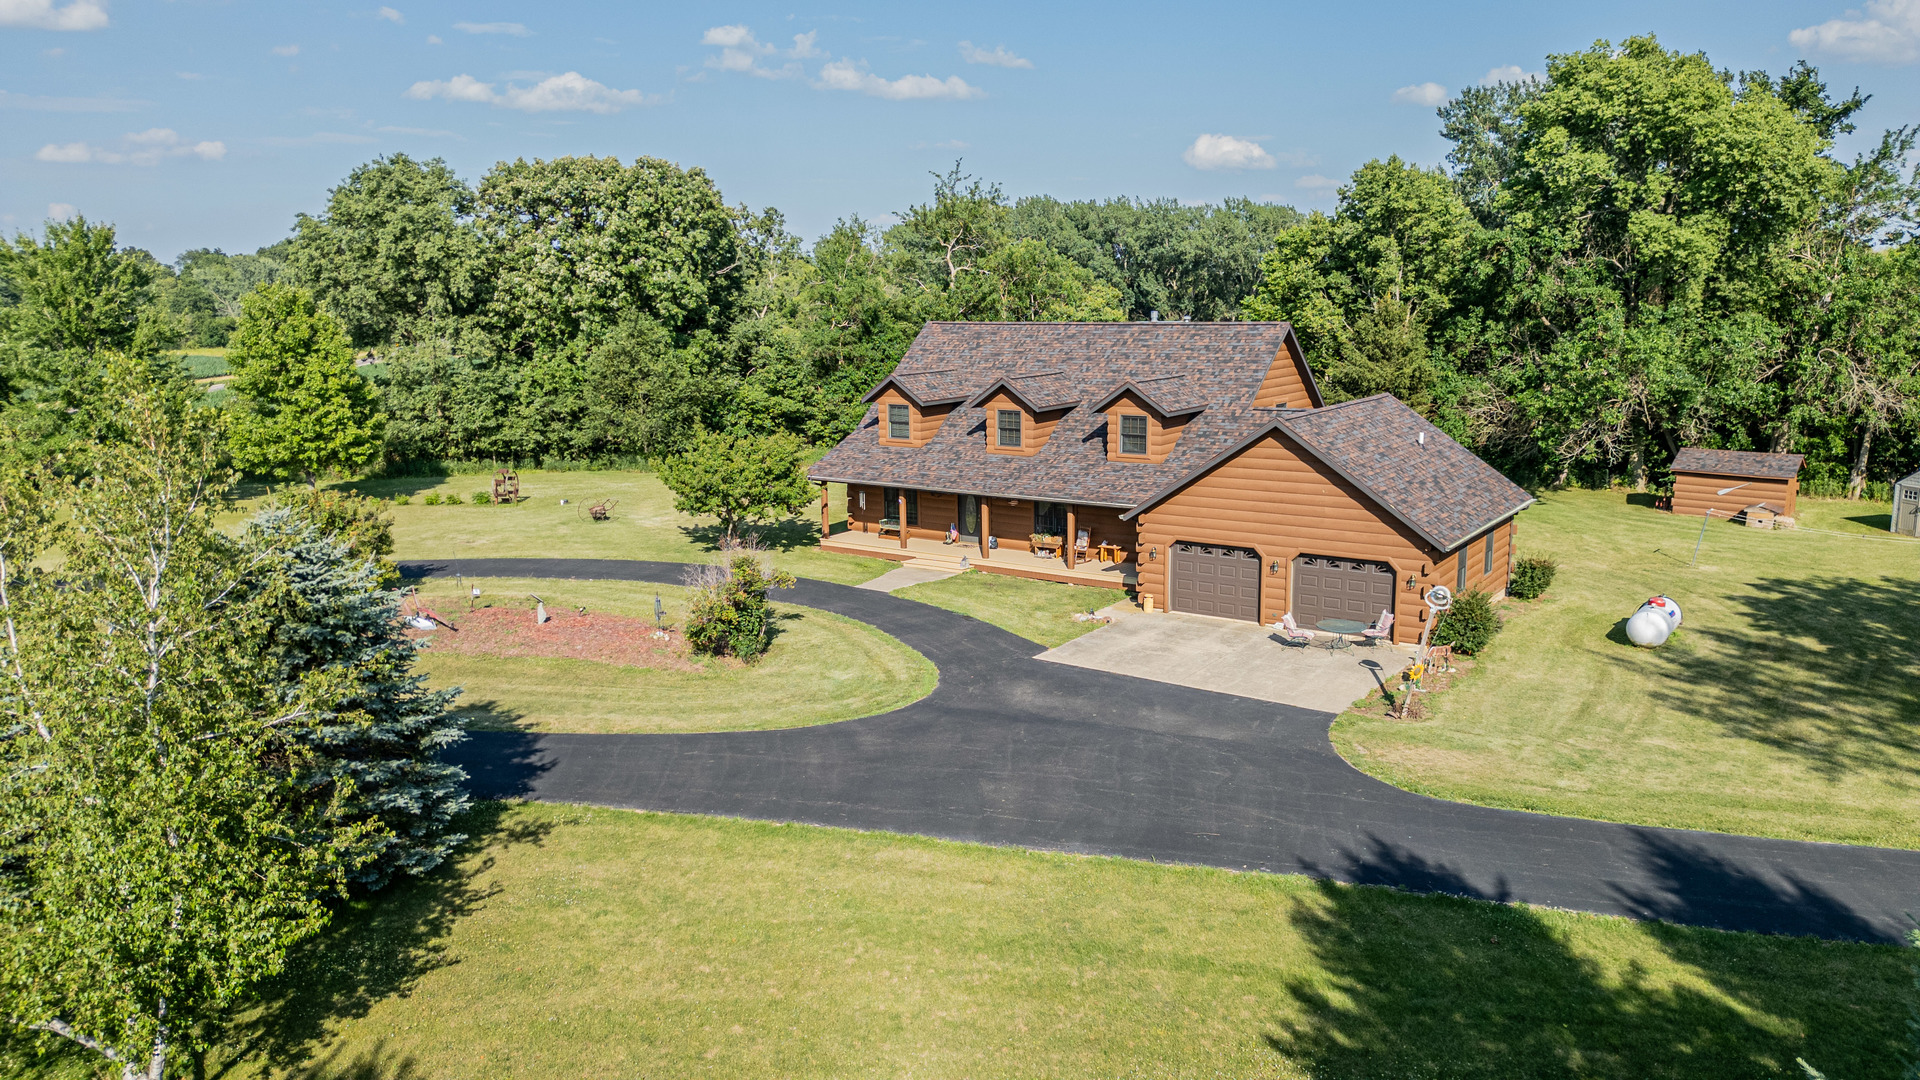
{"x": 568, "y": 634}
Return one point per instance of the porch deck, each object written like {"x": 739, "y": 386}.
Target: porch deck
{"x": 933, "y": 554}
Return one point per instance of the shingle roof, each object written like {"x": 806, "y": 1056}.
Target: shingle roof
{"x": 1222, "y": 363}
{"x": 1911, "y": 478}
{"x": 1042, "y": 391}
{"x": 1172, "y": 395}
{"x": 1738, "y": 463}
{"x": 944, "y": 386}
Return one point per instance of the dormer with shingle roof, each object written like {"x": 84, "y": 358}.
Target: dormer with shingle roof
{"x": 1023, "y": 410}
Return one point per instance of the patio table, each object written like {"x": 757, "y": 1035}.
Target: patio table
{"x": 1342, "y": 627}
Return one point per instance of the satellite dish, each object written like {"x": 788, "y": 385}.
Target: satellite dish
{"x": 1439, "y": 598}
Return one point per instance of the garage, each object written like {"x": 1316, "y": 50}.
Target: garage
{"x": 1208, "y": 579}
{"x": 1329, "y": 588}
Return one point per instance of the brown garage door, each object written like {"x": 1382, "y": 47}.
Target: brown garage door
{"x": 1329, "y": 588}
{"x": 1213, "y": 580}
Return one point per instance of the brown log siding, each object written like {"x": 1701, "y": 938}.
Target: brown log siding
{"x": 922, "y": 425}
{"x": 1286, "y": 382}
{"x": 1162, "y": 434}
{"x": 1695, "y": 493}
{"x": 1280, "y": 502}
{"x": 1035, "y": 430}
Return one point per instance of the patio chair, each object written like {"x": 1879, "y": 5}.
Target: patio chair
{"x": 1291, "y": 633}
{"x": 1380, "y": 630}
{"x": 1080, "y": 542}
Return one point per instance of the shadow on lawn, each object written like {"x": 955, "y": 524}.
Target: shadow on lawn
{"x": 1821, "y": 668}
{"x": 1443, "y": 986}
{"x": 377, "y": 948}
{"x": 781, "y": 536}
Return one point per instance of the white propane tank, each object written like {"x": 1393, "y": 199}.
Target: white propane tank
{"x": 1656, "y": 620}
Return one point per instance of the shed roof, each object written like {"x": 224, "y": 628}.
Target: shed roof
{"x": 1911, "y": 478}
{"x": 1415, "y": 471}
{"x": 1694, "y": 459}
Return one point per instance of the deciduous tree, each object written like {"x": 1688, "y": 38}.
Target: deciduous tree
{"x": 304, "y": 411}
{"x": 738, "y": 478}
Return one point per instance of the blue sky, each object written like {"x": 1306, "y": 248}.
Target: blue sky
{"x": 212, "y": 123}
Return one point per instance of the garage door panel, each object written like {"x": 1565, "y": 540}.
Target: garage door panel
{"x": 1325, "y": 587}
{"x": 1209, "y": 579}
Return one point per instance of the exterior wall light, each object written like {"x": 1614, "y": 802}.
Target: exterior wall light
{"x": 1274, "y": 568}
{"x": 1153, "y": 554}
{"x": 1409, "y": 582}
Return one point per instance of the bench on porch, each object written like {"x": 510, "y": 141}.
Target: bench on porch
{"x": 887, "y": 524}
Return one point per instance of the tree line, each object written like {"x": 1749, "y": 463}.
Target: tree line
{"x": 1637, "y": 251}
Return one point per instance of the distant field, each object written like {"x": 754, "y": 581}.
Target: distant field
{"x": 202, "y": 363}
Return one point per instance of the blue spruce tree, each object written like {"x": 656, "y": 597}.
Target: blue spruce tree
{"x": 339, "y": 639}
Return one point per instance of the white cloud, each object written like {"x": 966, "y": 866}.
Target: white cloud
{"x": 40, "y": 103}
{"x": 804, "y": 47}
{"x": 844, "y": 74}
{"x": 1887, "y": 32}
{"x": 999, "y": 57}
{"x": 571, "y": 92}
{"x": 286, "y": 50}
{"x": 61, "y": 211}
{"x": 43, "y": 15}
{"x": 189, "y": 76}
{"x": 1212, "y": 152}
{"x": 741, "y": 51}
{"x": 1509, "y": 73}
{"x": 512, "y": 29}
{"x": 149, "y": 147}
{"x": 1316, "y": 182}
{"x": 390, "y": 15}
{"x": 1426, "y": 93}
{"x": 434, "y": 39}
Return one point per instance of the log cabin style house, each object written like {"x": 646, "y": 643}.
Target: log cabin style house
{"x": 1195, "y": 463}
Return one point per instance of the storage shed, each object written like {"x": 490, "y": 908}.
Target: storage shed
{"x": 1726, "y": 482}
{"x": 1906, "y": 505}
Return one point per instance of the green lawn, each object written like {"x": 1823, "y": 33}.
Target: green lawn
{"x": 645, "y": 525}
{"x": 1785, "y": 706}
{"x": 1039, "y": 611}
{"x": 573, "y": 942}
{"x": 821, "y": 668}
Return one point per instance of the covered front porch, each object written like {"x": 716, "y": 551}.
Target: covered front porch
{"x": 935, "y": 554}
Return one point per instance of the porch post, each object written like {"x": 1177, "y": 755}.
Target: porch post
{"x": 902, "y": 509}
{"x": 986, "y": 524}
{"x": 1067, "y": 544}
{"x": 826, "y": 527}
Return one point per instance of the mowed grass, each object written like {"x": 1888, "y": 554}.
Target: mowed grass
{"x": 1786, "y": 705}
{"x": 821, "y": 668}
{"x": 1039, "y": 611}
{"x": 644, "y": 525}
{"x": 572, "y": 942}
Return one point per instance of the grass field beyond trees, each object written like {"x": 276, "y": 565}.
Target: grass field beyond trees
{"x": 572, "y": 942}
{"x": 821, "y": 668}
{"x": 1786, "y": 704}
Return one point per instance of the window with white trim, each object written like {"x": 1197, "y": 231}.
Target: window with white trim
{"x": 897, "y": 426}
{"x": 1007, "y": 424}
{"x": 1133, "y": 435}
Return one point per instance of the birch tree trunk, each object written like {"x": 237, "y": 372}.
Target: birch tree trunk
{"x": 1857, "y": 478}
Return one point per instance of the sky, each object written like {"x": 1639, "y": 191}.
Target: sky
{"x": 213, "y": 123}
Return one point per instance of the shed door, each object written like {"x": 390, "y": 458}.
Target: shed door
{"x": 1213, "y": 580}
{"x": 1329, "y": 588}
{"x": 1907, "y": 511}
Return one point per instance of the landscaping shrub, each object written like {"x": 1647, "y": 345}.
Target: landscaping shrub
{"x": 359, "y": 522}
{"x": 451, "y": 498}
{"x": 432, "y": 499}
{"x": 402, "y": 500}
{"x": 1469, "y": 625}
{"x": 1531, "y": 576}
{"x": 482, "y": 498}
{"x": 727, "y": 610}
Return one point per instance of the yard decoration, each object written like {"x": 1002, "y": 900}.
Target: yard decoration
{"x": 597, "y": 511}
{"x": 1654, "y": 622}
{"x": 506, "y": 486}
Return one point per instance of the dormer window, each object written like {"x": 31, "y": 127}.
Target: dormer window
{"x": 1133, "y": 434}
{"x": 1007, "y": 424}
{"x": 897, "y": 425}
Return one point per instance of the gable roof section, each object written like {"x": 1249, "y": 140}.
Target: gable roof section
{"x": 1169, "y": 395}
{"x": 1299, "y": 356}
{"x": 1760, "y": 466}
{"x": 1223, "y": 363}
{"x": 1436, "y": 487}
{"x": 943, "y": 386}
{"x": 1040, "y": 392}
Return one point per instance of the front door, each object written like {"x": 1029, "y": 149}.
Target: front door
{"x": 1907, "y": 513}
{"x": 1208, "y": 579}
{"x": 969, "y": 515}
{"x": 1328, "y": 588}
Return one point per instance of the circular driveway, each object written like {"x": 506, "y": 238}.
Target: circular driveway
{"x": 1009, "y": 750}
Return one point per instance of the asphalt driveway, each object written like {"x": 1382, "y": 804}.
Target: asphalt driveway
{"x": 1010, "y": 750}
